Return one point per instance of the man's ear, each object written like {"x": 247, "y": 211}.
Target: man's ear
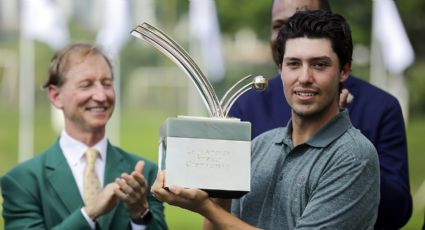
{"x": 345, "y": 72}
{"x": 55, "y": 98}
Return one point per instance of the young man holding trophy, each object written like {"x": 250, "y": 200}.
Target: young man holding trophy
{"x": 373, "y": 111}
{"x": 319, "y": 171}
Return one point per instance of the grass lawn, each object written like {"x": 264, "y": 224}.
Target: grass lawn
{"x": 139, "y": 134}
{"x": 415, "y": 140}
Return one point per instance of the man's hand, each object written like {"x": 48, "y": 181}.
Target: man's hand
{"x": 101, "y": 203}
{"x": 195, "y": 200}
{"x": 343, "y": 98}
{"x": 132, "y": 191}
{"x": 198, "y": 201}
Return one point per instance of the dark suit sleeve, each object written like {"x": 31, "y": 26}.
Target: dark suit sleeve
{"x": 156, "y": 206}
{"x": 22, "y": 207}
{"x": 396, "y": 202}
{"x": 235, "y": 110}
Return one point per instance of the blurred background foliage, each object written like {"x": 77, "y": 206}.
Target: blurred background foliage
{"x": 235, "y": 16}
{"x": 143, "y": 111}
{"x": 254, "y": 16}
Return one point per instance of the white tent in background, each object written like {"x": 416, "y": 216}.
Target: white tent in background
{"x": 205, "y": 46}
{"x": 391, "y": 52}
{"x": 115, "y": 29}
{"x": 40, "y": 20}
{"x": 205, "y": 30}
{"x": 112, "y": 36}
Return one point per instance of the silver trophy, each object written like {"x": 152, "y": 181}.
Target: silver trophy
{"x": 179, "y": 56}
{"x": 213, "y": 153}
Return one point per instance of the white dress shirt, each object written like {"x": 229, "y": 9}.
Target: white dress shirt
{"x": 73, "y": 151}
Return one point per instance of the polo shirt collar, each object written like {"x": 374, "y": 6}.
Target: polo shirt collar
{"x": 284, "y": 135}
{"x": 334, "y": 129}
{"x": 326, "y": 135}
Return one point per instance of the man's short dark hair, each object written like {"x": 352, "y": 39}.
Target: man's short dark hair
{"x": 318, "y": 24}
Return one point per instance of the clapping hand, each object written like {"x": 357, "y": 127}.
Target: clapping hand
{"x": 132, "y": 191}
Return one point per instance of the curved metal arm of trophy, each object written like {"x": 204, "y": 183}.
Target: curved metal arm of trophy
{"x": 226, "y": 95}
{"x": 259, "y": 83}
{"x": 179, "y": 56}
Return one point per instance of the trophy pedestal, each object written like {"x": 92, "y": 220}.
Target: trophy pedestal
{"x": 212, "y": 154}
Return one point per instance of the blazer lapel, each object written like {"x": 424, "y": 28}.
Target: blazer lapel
{"x": 115, "y": 165}
{"x": 61, "y": 179}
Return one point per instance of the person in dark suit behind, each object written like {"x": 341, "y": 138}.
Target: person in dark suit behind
{"x": 62, "y": 188}
{"x": 375, "y": 112}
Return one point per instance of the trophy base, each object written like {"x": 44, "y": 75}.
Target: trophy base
{"x": 224, "y": 193}
{"x": 207, "y": 153}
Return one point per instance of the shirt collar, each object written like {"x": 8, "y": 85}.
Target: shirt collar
{"x": 73, "y": 149}
{"x": 285, "y": 135}
{"x": 334, "y": 129}
{"x": 326, "y": 135}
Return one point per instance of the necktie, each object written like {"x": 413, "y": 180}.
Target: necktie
{"x": 91, "y": 181}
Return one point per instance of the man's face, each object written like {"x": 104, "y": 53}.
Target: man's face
{"x": 87, "y": 96}
{"x": 281, "y": 11}
{"x": 311, "y": 77}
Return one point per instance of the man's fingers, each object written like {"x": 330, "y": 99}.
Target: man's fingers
{"x": 120, "y": 194}
{"x": 188, "y": 193}
{"x": 159, "y": 181}
{"x": 157, "y": 188}
{"x": 343, "y": 99}
{"x": 139, "y": 179}
{"x": 178, "y": 191}
{"x": 109, "y": 189}
{"x": 111, "y": 186}
{"x": 162, "y": 194}
{"x": 139, "y": 167}
{"x": 182, "y": 192}
{"x": 124, "y": 186}
{"x": 136, "y": 181}
{"x": 169, "y": 197}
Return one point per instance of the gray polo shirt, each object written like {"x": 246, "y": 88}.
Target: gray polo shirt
{"x": 329, "y": 182}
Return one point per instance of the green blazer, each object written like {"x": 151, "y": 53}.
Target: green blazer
{"x": 42, "y": 194}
